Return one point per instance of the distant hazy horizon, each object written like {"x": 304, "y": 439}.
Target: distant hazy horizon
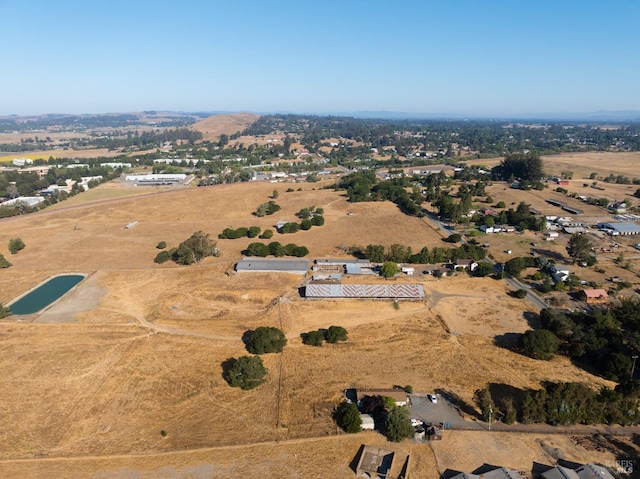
{"x": 490, "y": 59}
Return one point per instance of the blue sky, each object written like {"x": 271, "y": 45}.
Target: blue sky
{"x": 466, "y": 57}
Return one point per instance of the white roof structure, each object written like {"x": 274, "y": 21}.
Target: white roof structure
{"x": 390, "y": 291}
{"x": 272, "y": 265}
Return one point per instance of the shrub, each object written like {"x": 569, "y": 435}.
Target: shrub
{"x": 253, "y": 231}
{"x": 162, "y": 257}
{"x": 501, "y": 204}
{"x": 335, "y": 334}
{"x": 3, "y": 262}
{"x": 317, "y": 220}
{"x": 267, "y": 234}
{"x": 266, "y": 339}
{"x": 454, "y": 238}
{"x": 15, "y": 245}
{"x": 521, "y": 293}
{"x": 161, "y": 245}
{"x": 268, "y": 208}
{"x": 306, "y": 224}
{"x": 348, "y": 417}
{"x": 246, "y": 372}
{"x": 290, "y": 227}
{"x": 319, "y": 211}
{"x": 408, "y": 389}
{"x": 4, "y": 311}
{"x": 314, "y": 338}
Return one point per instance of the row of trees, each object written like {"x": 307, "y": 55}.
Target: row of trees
{"x": 230, "y": 233}
{"x": 276, "y": 249}
{"x": 561, "y": 404}
{"x": 398, "y": 253}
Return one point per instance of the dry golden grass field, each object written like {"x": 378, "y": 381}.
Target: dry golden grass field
{"x": 138, "y": 348}
{"x": 216, "y": 125}
{"x": 583, "y": 164}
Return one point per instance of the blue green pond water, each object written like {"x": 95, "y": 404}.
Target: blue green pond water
{"x": 45, "y": 294}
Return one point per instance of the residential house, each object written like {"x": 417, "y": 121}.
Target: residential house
{"x": 382, "y": 464}
{"x": 595, "y": 296}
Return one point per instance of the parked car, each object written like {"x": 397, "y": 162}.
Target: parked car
{"x": 433, "y": 398}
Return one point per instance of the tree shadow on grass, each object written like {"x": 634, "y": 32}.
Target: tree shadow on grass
{"x": 226, "y": 365}
{"x": 508, "y": 341}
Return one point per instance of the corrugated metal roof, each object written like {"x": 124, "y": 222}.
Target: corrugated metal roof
{"x": 408, "y": 291}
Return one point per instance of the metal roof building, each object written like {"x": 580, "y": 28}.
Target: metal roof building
{"x": 272, "y": 265}
{"x": 621, "y": 228}
{"x": 373, "y": 291}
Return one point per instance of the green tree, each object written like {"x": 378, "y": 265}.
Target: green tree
{"x": 3, "y": 262}
{"x": 485, "y": 402}
{"x": 161, "y": 245}
{"x": 253, "y": 231}
{"x": 258, "y": 249}
{"x": 484, "y": 269}
{"x": 306, "y": 224}
{"x": 348, "y": 417}
{"x": 389, "y": 269}
{"x": 195, "y": 248}
{"x": 335, "y": 334}
{"x": 246, "y": 372}
{"x": 317, "y": 220}
{"x": 375, "y": 253}
{"x": 579, "y": 247}
{"x": 266, "y": 339}
{"x": 267, "y": 234}
{"x": 290, "y": 227}
{"x": 539, "y": 344}
{"x": 15, "y": 245}
{"x": 515, "y": 266}
{"x": 314, "y": 338}
{"x": 275, "y": 194}
{"x": 398, "y": 425}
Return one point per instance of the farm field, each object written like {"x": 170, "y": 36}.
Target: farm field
{"x": 94, "y": 387}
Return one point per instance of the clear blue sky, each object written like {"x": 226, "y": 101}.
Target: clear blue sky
{"x": 469, "y": 57}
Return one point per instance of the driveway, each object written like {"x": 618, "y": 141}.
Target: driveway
{"x": 441, "y": 412}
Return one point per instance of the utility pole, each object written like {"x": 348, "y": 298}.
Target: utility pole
{"x": 490, "y": 412}
{"x": 633, "y": 368}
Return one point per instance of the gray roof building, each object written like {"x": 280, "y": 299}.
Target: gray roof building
{"x": 621, "y": 228}
{"x": 272, "y": 265}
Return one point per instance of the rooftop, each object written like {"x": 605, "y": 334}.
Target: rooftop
{"x": 272, "y": 265}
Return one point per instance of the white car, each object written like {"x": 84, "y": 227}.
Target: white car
{"x": 415, "y": 422}
{"x": 433, "y": 398}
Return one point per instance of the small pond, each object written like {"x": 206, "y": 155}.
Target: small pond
{"x": 44, "y": 295}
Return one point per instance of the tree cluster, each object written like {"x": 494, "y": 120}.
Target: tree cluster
{"x": 564, "y": 404}
{"x": 332, "y": 335}
{"x": 603, "y": 340}
{"x": 230, "y": 233}
{"x": 398, "y": 253}
{"x": 268, "y": 208}
{"x": 192, "y": 250}
{"x": 525, "y": 167}
{"x": 276, "y": 249}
